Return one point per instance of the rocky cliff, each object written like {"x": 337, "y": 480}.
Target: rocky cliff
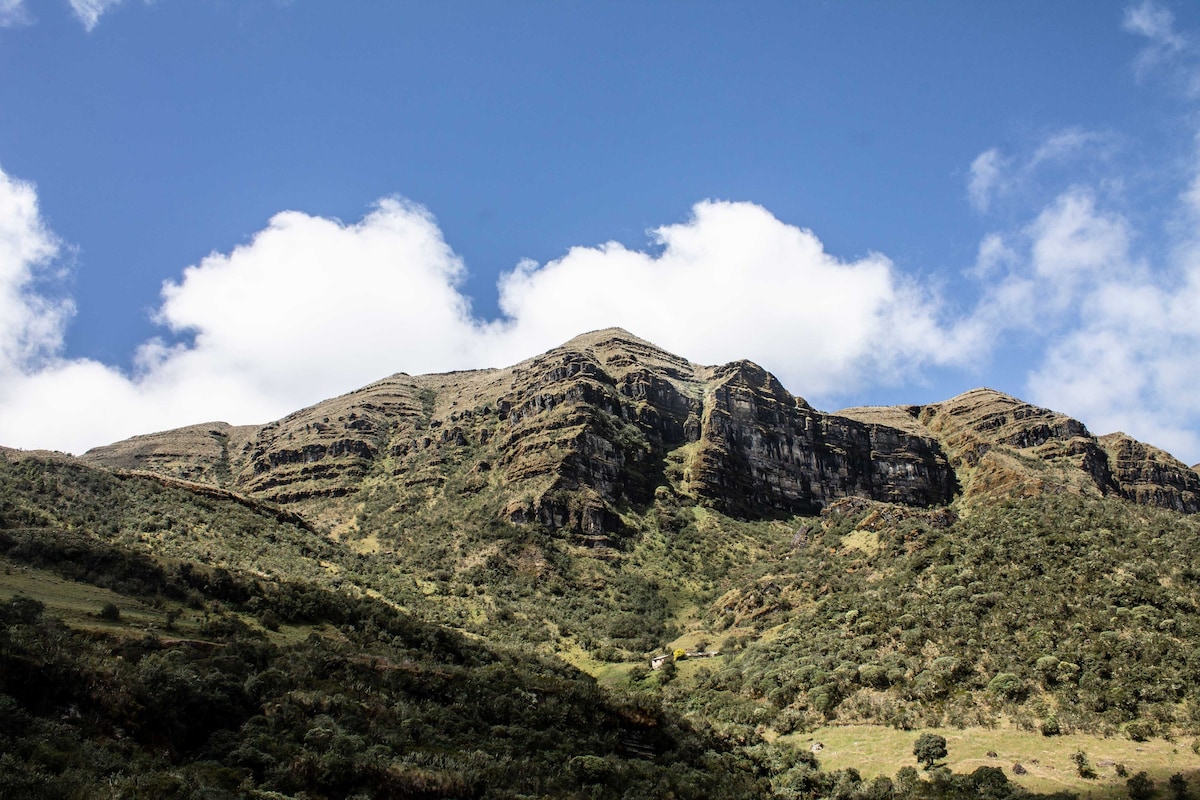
{"x": 1002, "y": 446}
{"x": 578, "y": 436}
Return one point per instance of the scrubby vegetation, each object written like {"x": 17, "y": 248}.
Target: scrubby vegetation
{"x": 1057, "y": 612}
{"x": 229, "y": 649}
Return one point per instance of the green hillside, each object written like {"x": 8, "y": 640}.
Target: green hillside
{"x": 187, "y": 680}
{"x": 462, "y": 585}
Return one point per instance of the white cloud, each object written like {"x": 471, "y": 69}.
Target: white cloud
{"x": 735, "y": 282}
{"x": 1157, "y": 24}
{"x": 986, "y": 175}
{"x": 1071, "y": 239}
{"x": 1114, "y": 332}
{"x": 1167, "y": 51}
{"x": 14, "y": 13}
{"x": 90, "y": 11}
{"x": 995, "y": 175}
{"x": 1133, "y": 364}
{"x": 1122, "y": 338}
{"x": 30, "y": 323}
{"x": 311, "y": 307}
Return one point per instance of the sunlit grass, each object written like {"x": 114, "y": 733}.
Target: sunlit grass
{"x": 876, "y": 750}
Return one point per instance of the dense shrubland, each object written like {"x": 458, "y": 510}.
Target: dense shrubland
{"x": 409, "y": 670}
{"x": 1059, "y": 612}
{"x": 371, "y": 703}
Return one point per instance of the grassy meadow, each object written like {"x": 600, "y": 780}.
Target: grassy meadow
{"x": 875, "y": 750}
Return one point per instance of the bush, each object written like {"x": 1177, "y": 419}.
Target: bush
{"x": 1082, "y": 765}
{"x": 590, "y": 770}
{"x": 110, "y": 612}
{"x": 1140, "y": 787}
{"x": 1139, "y": 731}
{"x": 1006, "y": 685}
{"x": 1178, "y": 786}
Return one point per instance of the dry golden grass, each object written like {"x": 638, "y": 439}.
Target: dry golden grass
{"x": 875, "y": 750}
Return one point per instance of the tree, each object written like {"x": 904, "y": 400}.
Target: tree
{"x": 1140, "y": 787}
{"x": 929, "y": 749}
{"x": 1178, "y": 786}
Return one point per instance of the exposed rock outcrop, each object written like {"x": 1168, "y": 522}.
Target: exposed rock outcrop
{"x": 1147, "y": 475}
{"x": 763, "y": 451}
{"x": 578, "y": 436}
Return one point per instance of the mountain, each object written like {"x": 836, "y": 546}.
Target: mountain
{"x": 978, "y": 562}
{"x": 604, "y": 421}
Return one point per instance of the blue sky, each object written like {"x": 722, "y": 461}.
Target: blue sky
{"x": 227, "y": 210}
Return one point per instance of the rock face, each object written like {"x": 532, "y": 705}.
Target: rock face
{"x": 1000, "y": 445}
{"x": 576, "y": 437}
{"x": 763, "y": 451}
{"x": 1147, "y": 475}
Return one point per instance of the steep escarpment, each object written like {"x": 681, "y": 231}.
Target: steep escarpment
{"x": 1147, "y": 475}
{"x": 577, "y": 437}
{"x": 763, "y": 451}
{"x": 1004, "y": 447}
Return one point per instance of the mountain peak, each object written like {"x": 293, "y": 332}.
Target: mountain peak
{"x": 607, "y": 419}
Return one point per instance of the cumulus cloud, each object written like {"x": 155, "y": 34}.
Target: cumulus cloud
{"x": 1072, "y": 240}
{"x": 1132, "y": 365}
{"x": 732, "y": 282}
{"x": 307, "y": 309}
{"x": 89, "y": 11}
{"x": 310, "y": 307}
{"x": 31, "y": 324}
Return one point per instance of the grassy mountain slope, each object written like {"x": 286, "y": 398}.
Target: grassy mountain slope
{"x": 980, "y": 562}
{"x": 200, "y": 678}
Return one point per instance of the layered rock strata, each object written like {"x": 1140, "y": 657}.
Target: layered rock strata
{"x": 576, "y": 437}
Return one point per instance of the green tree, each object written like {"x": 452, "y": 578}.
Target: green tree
{"x": 1178, "y": 786}
{"x": 929, "y": 749}
{"x": 1140, "y": 787}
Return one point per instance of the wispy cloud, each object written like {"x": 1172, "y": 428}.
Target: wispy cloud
{"x": 1167, "y": 51}
{"x": 1120, "y": 331}
{"x": 89, "y": 11}
{"x": 14, "y": 13}
{"x": 1157, "y": 24}
{"x": 987, "y": 178}
{"x": 1017, "y": 177}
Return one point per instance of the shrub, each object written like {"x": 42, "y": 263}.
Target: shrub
{"x": 1082, "y": 765}
{"x": 1178, "y": 786}
{"x": 1140, "y": 787}
{"x": 1006, "y": 685}
{"x": 1139, "y": 731}
{"x": 110, "y": 612}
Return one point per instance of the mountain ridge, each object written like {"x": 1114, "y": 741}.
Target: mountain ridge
{"x": 599, "y": 417}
